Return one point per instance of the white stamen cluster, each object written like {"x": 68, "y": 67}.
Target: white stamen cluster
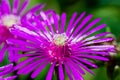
{"x": 60, "y": 39}
{"x": 9, "y": 20}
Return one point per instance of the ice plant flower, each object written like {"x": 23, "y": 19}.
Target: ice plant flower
{"x": 6, "y": 70}
{"x": 71, "y": 49}
{"x": 10, "y": 16}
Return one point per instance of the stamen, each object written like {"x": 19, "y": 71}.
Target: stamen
{"x": 9, "y": 20}
{"x": 60, "y": 39}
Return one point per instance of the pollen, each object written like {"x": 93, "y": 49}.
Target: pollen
{"x": 9, "y": 20}
{"x": 60, "y": 39}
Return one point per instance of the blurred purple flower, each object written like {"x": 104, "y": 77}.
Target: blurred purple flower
{"x": 10, "y": 16}
{"x": 70, "y": 48}
{"x": 6, "y": 70}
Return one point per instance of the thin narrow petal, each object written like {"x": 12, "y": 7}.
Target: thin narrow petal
{"x": 78, "y": 19}
{"x": 82, "y": 24}
{"x": 15, "y": 6}
{"x": 82, "y": 65}
{"x": 2, "y": 52}
{"x": 21, "y": 43}
{"x": 6, "y": 66}
{"x": 33, "y": 67}
{"x": 36, "y": 8}
{"x": 68, "y": 72}
{"x": 36, "y": 72}
{"x": 89, "y": 26}
{"x": 63, "y": 21}
{"x": 5, "y": 6}
{"x": 96, "y": 29}
{"x": 92, "y": 52}
{"x": 55, "y": 18}
{"x": 75, "y": 72}
{"x": 50, "y": 72}
{"x": 24, "y": 35}
{"x": 86, "y": 62}
{"x": 47, "y": 21}
{"x": 76, "y": 66}
{"x": 23, "y": 63}
{"x": 23, "y": 6}
{"x": 10, "y": 78}
{"x": 99, "y": 47}
{"x": 78, "y": 38}
{"x": 98, "y": 41}
{"x": 26, "y": 68}
{"x": 6, "y": 69}
{"x": 96, "y": 36}
{"x": 20, "y": 48}
{"x": 70, "y": 22}
{"x": 61, "y": 72}
{"x": 39, "y": 24}
{"x": 11, "y": 55}
{"x": 94, "y": 57}
{"x": 75, "y": 24}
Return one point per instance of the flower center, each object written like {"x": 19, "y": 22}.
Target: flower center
{"x": 58, "y": 48}
{"x": 58, "y": 52}
{"x": 60, "y": 39}
{"x": 9, "y": 20}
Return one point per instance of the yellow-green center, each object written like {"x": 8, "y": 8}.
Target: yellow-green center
{"x": 60, "y": 39}
{"x": 9, "y": 20}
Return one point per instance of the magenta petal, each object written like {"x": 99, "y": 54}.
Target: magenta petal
{"x": 6, "y": 69}
{"x": 36, "y": 28}
{"x": 36, "y": 8}
{"x": 11, "y": 55}
{"x": 82, "y": 24}
{"x": 76, "y": 22}
{"x": 23, "y": 7}
{"x": 15, "y": 6}
{"x": 23, "y": 63}
{"x": 61, "y": 72}
{"x": 93, "y": 52}
{"x": 86, "y": 62}
{"x": 26, "y": 68}
{"x": 70, "y": 22}
{"x": 100, "y": 48}
{"x": 94, "y": 57}
{"x": 6, "y": 66}
{"x": 5, "y": 6}
{"x": 10, "y": 78}
{"x": 63, "y": 22}
{"x": 50, "y": 72}
{"x": 96, "y": 29}
{"x": 2, "y": 52}
{"x": 55, "y": 22}
{"x": 78, "y": 19}
{"x": 68, "y": 72}
{"x": 90, "y": 32}
{"x": 89, "y": 26}
{"x": 38, "y": 70}
{"x": 20, "y": 43}
{"x": 47, "y": 22}
{"x": 96, "y": 36}
{"x": 82, "y": 65}
{"x": 75, "y": 72}
{"x": 98, "y": 41}
{"x": 24, "y": 35}
{"x": 32, "y": 68}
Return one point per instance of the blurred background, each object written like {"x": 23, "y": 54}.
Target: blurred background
{"x": 109, "y": 11}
